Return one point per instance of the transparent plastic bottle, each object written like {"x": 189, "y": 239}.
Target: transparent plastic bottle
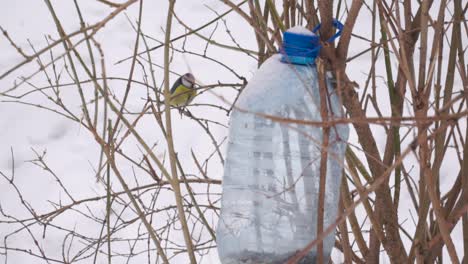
{"x": 271, "y": 174}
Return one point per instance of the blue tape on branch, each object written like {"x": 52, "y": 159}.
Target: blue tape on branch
{"x": 302, "y": 46}
{"x": 337, "y": 24}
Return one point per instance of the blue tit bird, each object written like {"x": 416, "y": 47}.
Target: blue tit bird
{"x": 183, "y": 91}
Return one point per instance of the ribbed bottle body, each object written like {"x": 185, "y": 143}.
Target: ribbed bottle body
{"x": 272, "y": 168}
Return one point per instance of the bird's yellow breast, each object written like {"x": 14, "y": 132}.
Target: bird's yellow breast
{"x": 182, "y": 96}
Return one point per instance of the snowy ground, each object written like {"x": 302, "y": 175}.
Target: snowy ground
{"x": 72, "y": 152}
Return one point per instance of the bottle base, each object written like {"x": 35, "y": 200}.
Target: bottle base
{"x": 252, "y": 257}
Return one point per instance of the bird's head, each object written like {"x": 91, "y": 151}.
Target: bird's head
{"x": 188, "y": 80}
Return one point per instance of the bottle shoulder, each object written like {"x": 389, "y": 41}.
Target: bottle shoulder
{"x": 276, "y": 83}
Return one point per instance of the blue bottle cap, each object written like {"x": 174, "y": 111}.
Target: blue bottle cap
{"x": 300, "y": 46}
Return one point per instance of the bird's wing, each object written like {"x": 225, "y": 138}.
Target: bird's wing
{"x": 176, "y": 84}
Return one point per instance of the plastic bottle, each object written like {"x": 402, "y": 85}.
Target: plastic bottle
{"x": 271, "y": 174}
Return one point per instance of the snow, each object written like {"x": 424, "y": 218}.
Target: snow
{"x": 71, "y": 151}
{"x": 300, "y": 31}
